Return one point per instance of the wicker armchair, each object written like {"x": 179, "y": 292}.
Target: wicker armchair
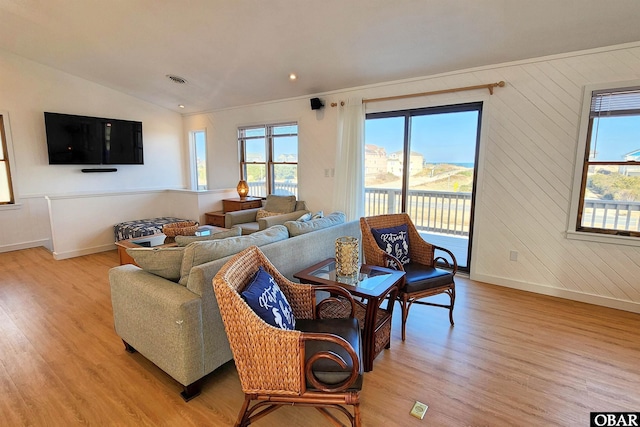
{"x": 422, "y": 277}
{"x": 318, "y": 364}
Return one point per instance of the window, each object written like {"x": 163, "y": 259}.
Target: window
{"x": 422, "y": 162}
{"x": 6, "y": 190}
{"x": 609, "y": 198}
{"x": 199, "y": 144}
{"x": 269, "y": 159}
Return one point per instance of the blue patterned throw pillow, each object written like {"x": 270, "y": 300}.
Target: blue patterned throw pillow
{"x": 394, "y": 241}
{"x": 265, "y": 297}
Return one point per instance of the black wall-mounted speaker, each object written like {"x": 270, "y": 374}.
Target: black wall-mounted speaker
{"x": 316, "y": 103}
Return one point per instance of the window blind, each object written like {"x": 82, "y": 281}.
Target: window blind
{"x": 618, "y": 102}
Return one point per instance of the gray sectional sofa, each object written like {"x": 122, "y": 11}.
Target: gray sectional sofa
{"x": 176, "y": 323}
{"x": 249, "y": 222}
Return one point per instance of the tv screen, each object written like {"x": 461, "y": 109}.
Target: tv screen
{"x": 82, "y": 140}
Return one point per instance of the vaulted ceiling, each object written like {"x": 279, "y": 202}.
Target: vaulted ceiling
{"x": 239, "y": 52}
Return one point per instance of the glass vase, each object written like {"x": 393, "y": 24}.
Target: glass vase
{"x": 347, "y": 257}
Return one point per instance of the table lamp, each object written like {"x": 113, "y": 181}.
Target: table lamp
{"x": 243, "y": 189}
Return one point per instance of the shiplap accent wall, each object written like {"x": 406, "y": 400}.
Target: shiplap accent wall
{"x": 524, "y": 201}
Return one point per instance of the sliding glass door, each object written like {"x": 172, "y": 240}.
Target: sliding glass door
{"x": 423, "y": 162}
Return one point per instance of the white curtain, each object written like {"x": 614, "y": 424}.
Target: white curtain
{"x": 348, "y": 189}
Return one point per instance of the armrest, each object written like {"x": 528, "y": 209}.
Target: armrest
{"x": 444, "y": 260}
{"x": 336, "y": 293}
{"x": 424, "y": 252}
{"x": 159, "y": 318}
{"x": 240, "y": 217}
{"x": 133, "y": 283}
{"x": 138, "y": 294}
{"x": 267, "y": 222}
{"x": 332, "y": 338}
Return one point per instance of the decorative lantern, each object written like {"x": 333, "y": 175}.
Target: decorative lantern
{"x": 243, "y": 189}
{"x": 347, "y": 257}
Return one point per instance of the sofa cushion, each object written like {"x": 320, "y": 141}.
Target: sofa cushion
{"x": 163, "y": 262}
{"x": 297, "y": 228}
{"x": 232, "y": 232}
{"x": 395, "y": 242}
{"x": 282, "y": 204}
{"x": 197, "y": 253}
{"x": 267, "y": 300}
{"x": 300, "y": 205}
{"x": 250, "y": 227}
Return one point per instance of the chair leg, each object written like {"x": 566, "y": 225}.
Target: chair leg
{"x": 356, "y": 415}
{"x": 404, "y": 304}
{"x": 243, "y": 420}
{"x": 452, "y": 294}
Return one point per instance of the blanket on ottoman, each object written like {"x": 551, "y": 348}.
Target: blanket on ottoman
{"x": 142, "y": 227}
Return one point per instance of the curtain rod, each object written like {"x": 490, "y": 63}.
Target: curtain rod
{"x": 489, "y": 87}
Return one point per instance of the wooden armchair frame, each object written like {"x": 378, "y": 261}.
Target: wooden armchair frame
{"x": 420, "y": 252}
{"x": 273, "y": 367}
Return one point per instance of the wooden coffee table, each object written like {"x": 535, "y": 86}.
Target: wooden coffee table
{"x": 134, "y": 242}
{"x": 373, "y": 285}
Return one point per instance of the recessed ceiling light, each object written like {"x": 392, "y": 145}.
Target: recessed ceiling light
{"x": 292, "y": 76}
{"x": 180, "y": 106}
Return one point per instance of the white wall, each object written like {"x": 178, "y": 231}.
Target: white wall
{"x": 527, "y": 155}
{"x": 27, "y": 90}
{"x": 83, "y": 224}
{"x": 26, "y": 225}
{"x": 316, "y": 144}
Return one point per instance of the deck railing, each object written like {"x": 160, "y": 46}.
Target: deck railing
{"x": 450, "y": 212}
{"x": 433, "y": 211}
{"x": 259, "y": 189}
{"x": 611, "y": 215}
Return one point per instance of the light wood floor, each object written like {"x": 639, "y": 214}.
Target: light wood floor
{"x": 513, "y": 358}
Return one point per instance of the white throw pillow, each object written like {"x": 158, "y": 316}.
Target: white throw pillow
{"x": 305, "y": 217}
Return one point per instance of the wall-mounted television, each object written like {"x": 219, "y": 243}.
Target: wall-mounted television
{"x": 82, "y": 140}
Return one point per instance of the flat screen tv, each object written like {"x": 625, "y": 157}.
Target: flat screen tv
{"x": 82, "y": 140}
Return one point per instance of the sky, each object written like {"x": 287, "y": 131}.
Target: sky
{"x": 440, "y": 138}
{"x": 613, "y": 137}
{"x": 451, "y": 137}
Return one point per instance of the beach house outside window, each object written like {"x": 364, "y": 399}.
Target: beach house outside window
{"x": 269, "y": 158}
{"x": 609, "y": 201}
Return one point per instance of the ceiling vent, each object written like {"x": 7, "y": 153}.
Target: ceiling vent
{"x": 177, "y": 79}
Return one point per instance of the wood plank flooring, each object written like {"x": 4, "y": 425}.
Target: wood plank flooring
{"x": 513, "y": 358}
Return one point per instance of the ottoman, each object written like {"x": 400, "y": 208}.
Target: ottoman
{"x": 142, "y": 227}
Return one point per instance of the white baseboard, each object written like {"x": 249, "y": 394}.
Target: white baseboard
{"x": 625, "y": 305}
{"x": 85, "y": 251}
{"x": 26, "y": 245}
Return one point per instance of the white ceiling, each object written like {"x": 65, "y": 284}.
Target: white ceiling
{"x": 239, "y": 52}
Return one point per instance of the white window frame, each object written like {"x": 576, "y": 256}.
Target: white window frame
{"x": 572, "y": 225}
{"x": 194, "y": 159}
{"x": 270, "y": 161}
{"x": 10, "y": 161}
